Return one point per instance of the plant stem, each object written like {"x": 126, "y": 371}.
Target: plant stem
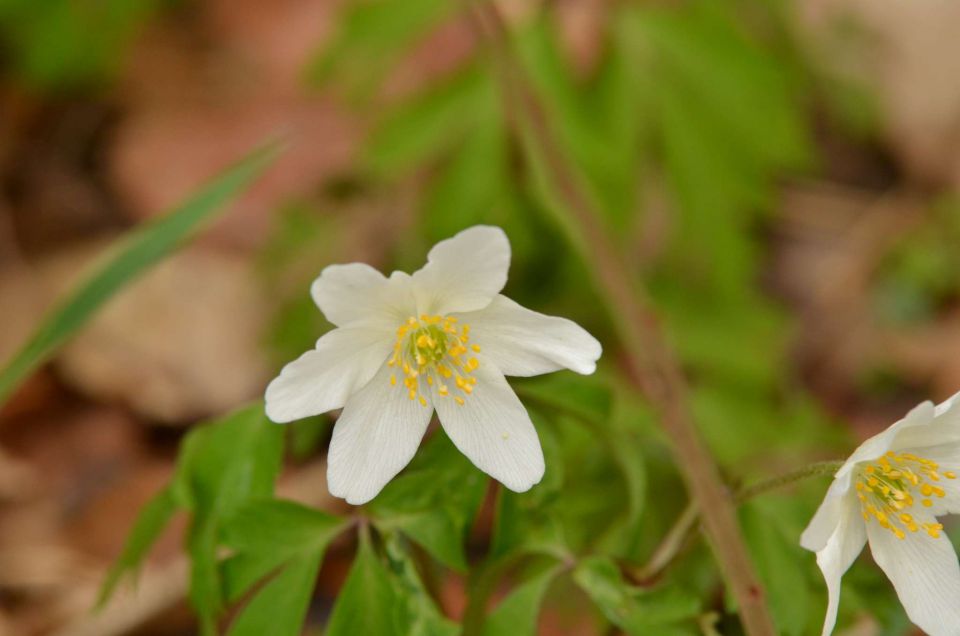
{"x": 651, "y": 366}
{"x": 676, "y": 537}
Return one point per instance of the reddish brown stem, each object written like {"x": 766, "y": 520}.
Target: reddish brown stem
{"x": 652, "y": 366}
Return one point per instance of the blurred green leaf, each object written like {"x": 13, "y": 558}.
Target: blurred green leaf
{"x": 62, "y": 45}
{"x": 780, "y": 561}
{"x": 151, "y": 521}
{"x": 371, "y": 34}
{"x": 517, "y": 613}
{"x": 424, "y": 127}
{"x": 142, "y": 249}
{"x": 636, "y": 612}
{"x": 434, "y": 501}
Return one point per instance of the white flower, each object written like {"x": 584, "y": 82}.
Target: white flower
{"x": 890, "y": 493}
{"x": 443, "y": 338}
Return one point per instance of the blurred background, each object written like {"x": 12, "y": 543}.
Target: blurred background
{"x": 783, "y": 176}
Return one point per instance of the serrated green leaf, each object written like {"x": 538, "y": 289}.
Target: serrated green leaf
{"x": 144, "y": 248}
{"x": 151, "y": 521}
{"x": 280, "y": 607}
{"x": 517, "y": 613}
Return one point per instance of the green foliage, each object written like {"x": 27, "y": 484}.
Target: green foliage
{"x": 517, "y": 613}
{"x": 669, "y": 612}
{"x": 141, "y": 250}
{"x": 267, "y": 534}
{"x": 368, "y": 603}
{"x": 59, "y": 45}
{"x": 151, "y": 521}
{"x": 371, "y": 31}
{"x": 434, "y": 501}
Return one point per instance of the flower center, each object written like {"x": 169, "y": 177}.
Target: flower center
{"x": 434, "y": 350}
{"x": 887, "y": 488}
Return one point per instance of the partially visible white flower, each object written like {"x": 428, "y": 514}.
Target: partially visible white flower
{"x": 890, "y": 493}
{"x": 443, "y": 338}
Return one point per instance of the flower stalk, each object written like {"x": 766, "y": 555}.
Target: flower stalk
{"x": 651, "y": 364}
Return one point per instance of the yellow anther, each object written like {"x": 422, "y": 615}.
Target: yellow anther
{"x": 950, "y": 474}
{"x": 423, "y": 341}
{"x": 443, "y": 390}
{"x": 413, "y": 394}
{"x": 458, "y": 399}
{"x": 393, "y": 380}
{"x": 430, "y": 380}
{"x": 926, "y": 503}
{"x": 476, "y": 348}
{"x": 423, "y": 401}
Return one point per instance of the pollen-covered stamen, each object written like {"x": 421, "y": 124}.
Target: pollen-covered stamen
{"x": 434, "y": 350}
{"x": 889, "y": 486}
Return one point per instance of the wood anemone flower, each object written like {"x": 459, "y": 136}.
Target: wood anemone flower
{"x": 890, "y": 493}
{"x": 442, "y": 338}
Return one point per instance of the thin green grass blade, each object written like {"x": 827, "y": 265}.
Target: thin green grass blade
{"x": 145, "y": 247}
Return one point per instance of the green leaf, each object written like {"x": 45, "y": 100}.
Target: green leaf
{"x": 530, "y": 522}
{"x": 268, "y": 533}
{"x": 368, "y": 602}
{"x": 142, "y": 249}
{"x": 434, "y": 501}
{"x": 588, "y": 398}
{"x": 146, "y": 530}
{"x": 636, "y": 612}
{"x": 420, "y": 615}
{"x": 283, "y": 528}
{"x": 221, "y": 466}
{"x": 280, "y": 607}
{"x": 780, "y": 562}
{"x": 517, "y": 613}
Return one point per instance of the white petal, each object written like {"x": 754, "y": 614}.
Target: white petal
{"x": 374, "y": 438}
{"x": 357, "y": 292}
{"x": 893, "y": 437}
{"x": 942, "y": 430}
{"x": 493, "y": 430}
{"x": 925, "y": 573}
{"x": 827, "y": 517}
{"x": 524, "y": 343}
{"x": 463, "y": 273}
{"x": 321, "y": 380}
{"x": 840, "y": 551}
{"x": 948, "y": 403}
